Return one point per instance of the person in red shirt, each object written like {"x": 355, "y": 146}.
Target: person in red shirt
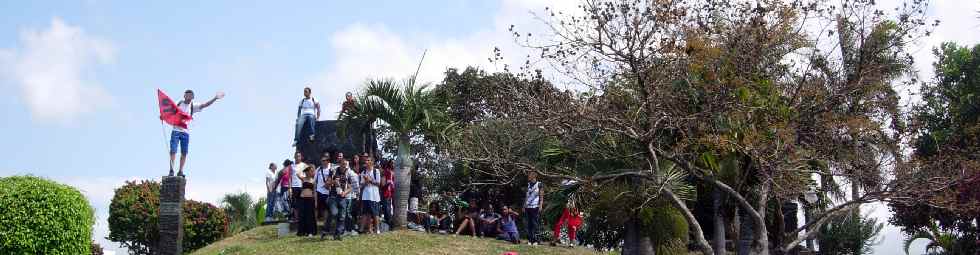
{"x": 387, "y": 190}
{"x": 572, "y": 218}
{"x": 285, "y": 199}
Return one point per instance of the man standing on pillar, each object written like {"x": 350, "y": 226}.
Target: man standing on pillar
{"x": 306, "y": 115}
{"x": 180, "y": 135}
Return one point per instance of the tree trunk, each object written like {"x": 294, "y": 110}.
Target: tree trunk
{"x": 779, "y": 224}
{"x": 761, "y": 244}
{"x": 718, "y": 221}
{"x": 807, "y": 215}
{"x": 855, "y": 195}
{"x": 635, "y": 242}
{"x": 745, "y": 227}
{"x": 403, "y": 181}
{"x": 698, "y": 234}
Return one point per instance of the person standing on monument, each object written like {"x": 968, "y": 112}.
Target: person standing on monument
{"x": 306, "y": 114}
{"x": 181, "y": 136}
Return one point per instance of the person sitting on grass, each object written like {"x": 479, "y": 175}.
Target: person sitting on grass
{"x": 508, "y": 225}
{"x": 489, "y": 222}
{"x": 467, "y": 223}
{"x": 438, "y": 220}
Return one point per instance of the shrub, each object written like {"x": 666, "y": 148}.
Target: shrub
{"x": 133, "y": 219}
{"x": 260, "y": 211}
{"x": 133, "y": 216}
{"x": 39, "y": 216}
{"x": 97, "y": 249}
{"x": 203, "y": 224}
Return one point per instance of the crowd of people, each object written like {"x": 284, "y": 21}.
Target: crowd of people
{"x": 353, "y": 196}
{"x": 350, "y": 196}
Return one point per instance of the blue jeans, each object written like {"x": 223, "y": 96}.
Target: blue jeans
{"x": 179, "y": 137}
{"x": 308, "y": 119}
{"x": 386, "y": 210}
{"x": 270, "y": 204}
{"x": 533, "y": 216}
{"x": 349, "y": 213}
{"x": 338, "y": 211}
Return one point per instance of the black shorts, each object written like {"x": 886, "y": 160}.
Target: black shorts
{"x": 372, "y": 208}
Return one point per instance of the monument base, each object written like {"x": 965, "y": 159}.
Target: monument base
{"x": 171, "y": 215}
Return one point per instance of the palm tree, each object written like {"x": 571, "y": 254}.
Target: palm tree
{"x": 938, "y": 240}
{"x": 238, "y": 206}
{"x": 408, "y": 111}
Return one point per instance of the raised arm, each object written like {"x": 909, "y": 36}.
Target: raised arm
{"x": 213, "y": 99}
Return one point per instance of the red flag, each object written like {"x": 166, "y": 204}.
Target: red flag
{"x": 170, "y": 113}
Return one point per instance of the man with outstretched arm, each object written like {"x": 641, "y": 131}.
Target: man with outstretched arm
{"x": 181, "y": 136}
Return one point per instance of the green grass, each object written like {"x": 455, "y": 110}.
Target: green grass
{"x": 263, "y": 240}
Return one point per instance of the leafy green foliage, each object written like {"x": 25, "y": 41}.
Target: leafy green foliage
{"x": 848, "y": 234}
{"x": 948, "y": 120}
{"x": 39, "y": 216}
{"x": 133, "y": 216}
{"x": 260, "y": 211}
{"x": 240, "y": 211}
{"x": 204, "y": 224}
{"x": 134, "y": 220}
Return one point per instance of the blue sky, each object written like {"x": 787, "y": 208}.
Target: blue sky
{"x": 80, "y": 76}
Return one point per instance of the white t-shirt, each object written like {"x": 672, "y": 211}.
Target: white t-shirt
{"x": 307, "y": 106}
{"x": 371, "y": 191}
{"x": 270, "y": 180}
{"x": 298, "y": 175}
{"x": 355, "y": 184}
{"x": 186, "y": 108}
{"x": 322, "y": 173}
{"x": 533, "y": 195}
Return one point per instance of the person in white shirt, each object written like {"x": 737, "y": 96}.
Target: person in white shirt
{"x": 371, "y": 180}
{"x": 534, "y": 201}
{"x": 355, "y": 184}
{"x": 307, "y": 114}
{"x": 296, "y": 181}
{"x": 181, "y": 135}
{"x": 322, "y": 183}
{"x": 270, "y": 188}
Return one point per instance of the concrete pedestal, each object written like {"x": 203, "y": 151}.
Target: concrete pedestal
{"x": 171, "y": 215}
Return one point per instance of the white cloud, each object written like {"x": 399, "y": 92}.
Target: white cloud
{"x": 52, "y": 68}
{"x": 369, "y": 51}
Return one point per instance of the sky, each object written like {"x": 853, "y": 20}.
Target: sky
{"x": 80, "y": 78}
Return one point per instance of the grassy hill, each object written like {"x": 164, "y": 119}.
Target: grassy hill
{"x": 262, "y": 240}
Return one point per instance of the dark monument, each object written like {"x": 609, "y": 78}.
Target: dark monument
{"x": 171, "y": 215}
{"x": 334, "y": 136}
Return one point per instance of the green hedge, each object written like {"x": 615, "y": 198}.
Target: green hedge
{"x": 203, "y": 224}
{"x": 39, "y": 216}
{"x": 133, "y": 219}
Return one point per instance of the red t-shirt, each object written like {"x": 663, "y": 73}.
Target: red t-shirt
{"x": 389, "y": 189}
{"x": 284, "y": 179}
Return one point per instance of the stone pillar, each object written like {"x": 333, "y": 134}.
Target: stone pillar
{"x": 171, "y": 215}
